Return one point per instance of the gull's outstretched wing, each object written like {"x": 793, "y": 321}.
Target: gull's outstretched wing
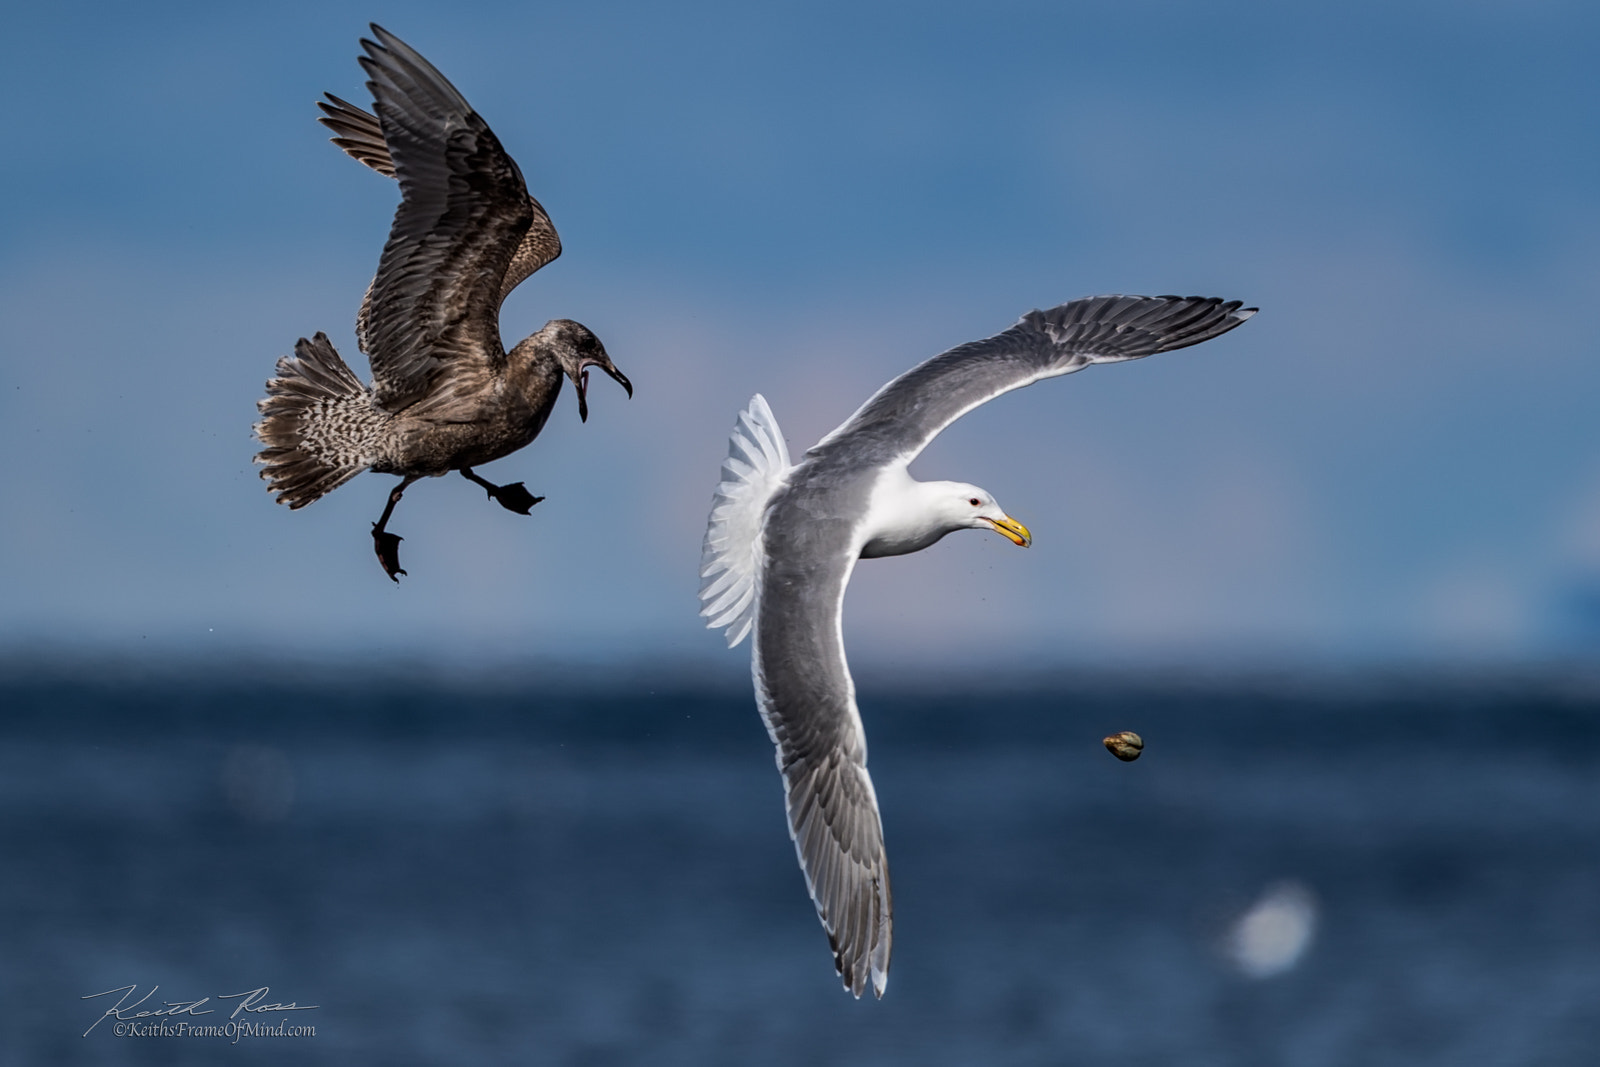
{"x": 807, "y": 700}
{"x": 360, "y": 135}
{"x": 901, "y": 418}
{"x": 433, "y": 307}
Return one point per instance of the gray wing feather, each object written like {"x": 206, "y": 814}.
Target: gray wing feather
{"x": 360, "y": 135}
{"x": 807, "y": 701}
{"x": 464, "y": 209}
{"x": 898, "y": 421}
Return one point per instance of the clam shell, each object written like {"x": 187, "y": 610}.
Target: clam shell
{"x": 1126, "y": 746}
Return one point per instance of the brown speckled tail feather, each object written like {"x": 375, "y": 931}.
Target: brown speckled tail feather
{"x": 317, "y": 421}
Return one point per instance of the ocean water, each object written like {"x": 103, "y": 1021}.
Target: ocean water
{"x": 1402, "y": 874}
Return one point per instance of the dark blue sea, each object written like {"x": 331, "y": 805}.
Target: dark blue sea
{"x": 461, "y": 870}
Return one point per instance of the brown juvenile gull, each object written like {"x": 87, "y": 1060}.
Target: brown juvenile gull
{"x": 445, "y": 394}
{"x": 783, "y": 539}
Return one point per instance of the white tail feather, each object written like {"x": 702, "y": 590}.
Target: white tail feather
{"x": 730, "y": 559}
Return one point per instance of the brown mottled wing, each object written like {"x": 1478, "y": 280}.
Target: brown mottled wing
{"x": 540, "y": 245}
{"x": 807, "y": 701}
{"x": 362, "y": 138}
{"x": 433, "y": 307}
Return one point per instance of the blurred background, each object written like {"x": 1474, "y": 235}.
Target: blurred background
{"x": 1340, "y": 567}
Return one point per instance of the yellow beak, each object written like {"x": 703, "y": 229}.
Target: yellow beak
{"x": 1014, "y": 530}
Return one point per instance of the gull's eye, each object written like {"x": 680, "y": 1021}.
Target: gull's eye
{"x": 975, "y": 502}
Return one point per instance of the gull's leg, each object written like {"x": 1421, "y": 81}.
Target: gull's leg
{"x": 513, "y": 497}
{"x": 388, "y": 544}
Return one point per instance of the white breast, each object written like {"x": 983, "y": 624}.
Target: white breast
{"x": 900, "y": 516}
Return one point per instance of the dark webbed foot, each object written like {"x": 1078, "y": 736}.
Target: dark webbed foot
{"x": 388, "y": 549}
{"x": 388, "y": 544}
{"x": 513, "y": 497}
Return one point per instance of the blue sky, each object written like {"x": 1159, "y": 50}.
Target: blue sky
{"x": 1397, "y": 461}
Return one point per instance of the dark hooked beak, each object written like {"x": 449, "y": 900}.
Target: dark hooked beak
{"x": 583, "y": 387}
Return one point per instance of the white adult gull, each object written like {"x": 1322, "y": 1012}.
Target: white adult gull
{"x": 784, "y": 537}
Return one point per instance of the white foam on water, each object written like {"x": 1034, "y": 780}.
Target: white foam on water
{"x": 1274, "y": 934}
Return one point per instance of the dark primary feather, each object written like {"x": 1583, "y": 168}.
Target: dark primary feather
{"x": 808, "y": 703}
{"x": 464, "y": 209}
{"x": 360, "y": 135}
{"x": 357, "y": 132}
{"x": 902, "y": 417}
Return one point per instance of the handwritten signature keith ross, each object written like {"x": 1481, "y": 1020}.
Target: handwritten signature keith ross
{"x": 250, "y": 1001}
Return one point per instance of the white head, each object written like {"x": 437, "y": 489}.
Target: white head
{"x": 960, "y": 506}
{"x": 909, "y": 515}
